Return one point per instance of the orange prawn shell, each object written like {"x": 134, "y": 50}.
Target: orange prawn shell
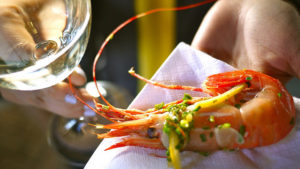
{"x": 269, "y": 116}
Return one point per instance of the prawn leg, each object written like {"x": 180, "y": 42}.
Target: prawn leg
{"x": 117, "y": 133}
{"x": 140, "y": 142}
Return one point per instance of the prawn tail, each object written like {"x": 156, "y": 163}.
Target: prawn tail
{"x": 226, "y": 79}
{"x": 153, "y": 143}
{"x": 220, "y": 83}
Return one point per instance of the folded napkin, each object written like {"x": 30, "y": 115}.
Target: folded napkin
{"x": 187, "y": 66}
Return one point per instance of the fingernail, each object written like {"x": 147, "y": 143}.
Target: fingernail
{"x": 88, "y": 112}
{"x": 78, "y": 77}
{"x": 70, "y": 99}
{"x": 79, "y": 71}
{"x": 90, "y": 103}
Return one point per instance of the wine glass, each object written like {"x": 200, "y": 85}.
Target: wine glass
{"x": 55, "y": 37}
{"x": 52, "y": 36}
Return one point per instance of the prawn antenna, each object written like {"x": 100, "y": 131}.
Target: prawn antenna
{"x": 175, "y": 87}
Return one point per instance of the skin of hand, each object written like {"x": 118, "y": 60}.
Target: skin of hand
{"x": 20, "y": 23}
{"x": 263, "y": 35}
{"x": 57, "y": 99}
{"x": 25, "y": 22}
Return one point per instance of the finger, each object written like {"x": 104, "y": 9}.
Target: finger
{"x": 60, "y": 100}
{"x": 57, "y": 99}
{"x": 17, "y": 44}
{"x": 52, "y": 27}
{"x": 217, "y": 32}
{"x": 78, "y": 77}
{"x": 19, "y": 97}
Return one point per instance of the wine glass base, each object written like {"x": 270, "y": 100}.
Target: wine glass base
{"x": 67, "y": 137}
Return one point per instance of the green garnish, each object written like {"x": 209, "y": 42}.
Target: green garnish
{"x": 292, "y": 122}
{"x": 173, "y": 118}
{"x": 159, "y": 106}
{"x": 248, "y": 78}
{"x": 205, "y": 154}
{"x": 279, "y": 95}
{"x": 177, "y": 131}
{"x": 211, "y": 134}
{"x": 203, "y": 137}
{"x": 105, "y": 107}
{"x": 237, "y": 106}
{"x": 166, "y": 129}
{"x": 240, "y": 139}
{"x": 177, "y": 126}
{"x": 205, "y": 127}
{"x": 224, "y": 126}
{"x": 168, "y": 154}
{"x": 242, "y": 130}
{"x": 180, "y": 122}
{"x": 197, "y": 108}
{"x": 186, "y": 97}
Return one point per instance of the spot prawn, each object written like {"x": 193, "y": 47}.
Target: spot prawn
{"x": 243, "y": 109}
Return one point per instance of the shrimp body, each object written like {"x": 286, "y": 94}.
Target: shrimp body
{"x": 256, "y": 111}
{"x": 266, "y": 110}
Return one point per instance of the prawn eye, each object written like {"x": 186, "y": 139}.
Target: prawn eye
{"x": 151, "y": 132}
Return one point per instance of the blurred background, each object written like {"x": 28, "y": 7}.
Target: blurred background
{"x": 160, "y": 32}
{"x": 24, "y": 130}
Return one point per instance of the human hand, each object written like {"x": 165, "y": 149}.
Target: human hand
{"x": 263, "y": 35}
{"x": 57, "y": 99}
{"x": 23, "y": 23}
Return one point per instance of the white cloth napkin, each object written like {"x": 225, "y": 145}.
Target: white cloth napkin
{"x": 187, "y": 66}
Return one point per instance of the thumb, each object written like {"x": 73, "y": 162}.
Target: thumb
{"x": 78, "y": 77}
